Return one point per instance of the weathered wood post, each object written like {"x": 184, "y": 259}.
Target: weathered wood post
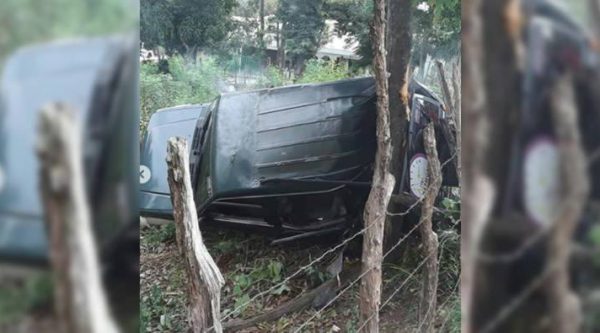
{"x": 449, "y": 130}
{"x": 428, "y": 236}
{"x": 204, "y": 278}
{"x": 383, "y": 184}
{"x": 80, "y": 302}
{"x": 565, "y": 307}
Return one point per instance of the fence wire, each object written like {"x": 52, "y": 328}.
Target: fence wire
{"x": 332, "y": 250}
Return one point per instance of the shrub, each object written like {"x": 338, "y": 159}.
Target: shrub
{"x": 185, "y": 83}
{"x": 323, "y": 71}
{"x": 273, "y": 77}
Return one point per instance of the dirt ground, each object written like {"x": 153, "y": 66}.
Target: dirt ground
{"x": 251, "y": 265}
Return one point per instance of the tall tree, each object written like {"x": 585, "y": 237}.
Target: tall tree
{"x": 185, "y": 26}
{"x": 436, "y": 28}
{"x": 156, "y": 24}
{"x": 303, "y": 24}
{"x": 353, "y": 18}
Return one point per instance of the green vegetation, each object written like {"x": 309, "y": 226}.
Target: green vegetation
{"x": 179, "y": 81}
{"x": 185, "y": 26}
{"x": 323, "y": 71}
{"x": 24, "y": 296}
{"x": 184, "y": 82}
{"x": 31, "y": 21}
{"x": 303, "y": 24}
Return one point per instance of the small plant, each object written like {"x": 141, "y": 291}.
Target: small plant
{"x": 323, "y": 71}
{"x": 273, "y": 77}
{"x": 162, "y": 234}
{"x": 32, "y": 293}
{"x": 185, "y": 83}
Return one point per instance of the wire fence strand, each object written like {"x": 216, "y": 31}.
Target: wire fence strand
{"x": 332, "y": 250}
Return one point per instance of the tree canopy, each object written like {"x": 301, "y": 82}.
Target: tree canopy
{"x": 303, "y": 23}
{"x": 435, "y": 25}
{"x": 29, "y": 21}
{"x": 185, "y": 26}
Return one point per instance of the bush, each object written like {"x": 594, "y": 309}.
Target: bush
{"x": 323, "y": 71}
{"x": 273, "y": 77}
{"x": 185, "y": 83}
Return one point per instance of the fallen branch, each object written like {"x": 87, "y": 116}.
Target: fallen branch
{"x": 299, "y": 303}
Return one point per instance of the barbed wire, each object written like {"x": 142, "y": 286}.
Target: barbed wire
{"x": 350, "y": 285}
{"x": 333, "y": 249}
{"x": 402, "y": 285}
{"x": 364, "y": 273}
{"x": 516, "y": 253}
{"x": 383, "y": 257}
{"x": 511, "y": 306}
{"x": 429, "y": 307}
{"x": 447, "y": 317}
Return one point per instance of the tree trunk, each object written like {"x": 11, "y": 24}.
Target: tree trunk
{"x": 428, "y": 236}
{"x": 261, "y": 36}
{"x": 475, "y": 192}
{"x": 281, "y": 47}
{"x": 565, "y": 309}
{"x": 398, "y": 45}
{"x": 382, "y": 186}
{"x": 204, "y": 278}
{"x": 80, "y": 301}
{"x": 448, "y": 128}
{"x": 456, "y": 83}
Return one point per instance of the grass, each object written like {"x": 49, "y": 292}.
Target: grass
{"x": 19, "y": 297}
{"x": 251, "y": 265}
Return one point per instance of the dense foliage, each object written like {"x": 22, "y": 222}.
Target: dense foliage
{"x": 435, "y": 26}
{"x": 185, "y": 26}
{"x": 303, "y": 24}
{"x": 353, "y": 18}
{"x": 436, "y": 31}
{"x": 323, "y": 71}
{"x": 30, "y": 21}
{"x": 185, "y": 83}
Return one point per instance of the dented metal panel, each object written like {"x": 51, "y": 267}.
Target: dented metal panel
{"x": 303, "y": 132}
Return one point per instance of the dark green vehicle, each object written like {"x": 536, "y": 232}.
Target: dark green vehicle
{"x": 155, "y": 200}
{"x": 297, "y": 160}
{"x": 294, "y": 161}
{"x": 99, "y": 78}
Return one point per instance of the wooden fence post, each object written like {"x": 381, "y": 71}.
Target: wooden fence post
{"x": 383, "y": 184}
{"x": 565, "y": 307}
{"x": 428, "y": 236}
{"x": 204, "y": 278}
{"x": 80, "y": 302}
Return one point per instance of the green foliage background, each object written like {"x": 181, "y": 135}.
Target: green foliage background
{"x": 31, "y": 21}
{"x": 185, "y": 83}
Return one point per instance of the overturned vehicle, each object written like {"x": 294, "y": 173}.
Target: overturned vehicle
{"x": 97, "y": 77}
{"x": 295, "y": 161}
